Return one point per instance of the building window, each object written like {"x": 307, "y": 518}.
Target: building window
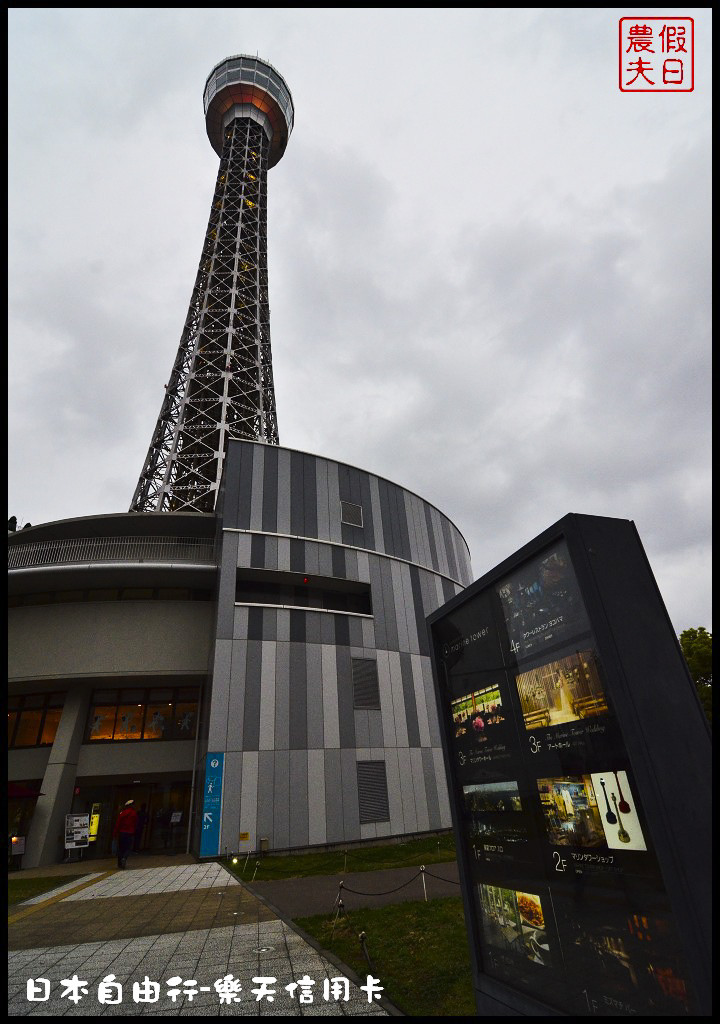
{"x": 372, "y": 792}
{"x": 129, "y": 716}
{"x": 112, "y": 594}
{"x": 351, "y": 514}
{"x": 295, "y": 590}
{"x": 158, "y": 720}
{"x": 366, "y": 690}
{"x": 33, "y": 719}
{"x": 160, "y": 713}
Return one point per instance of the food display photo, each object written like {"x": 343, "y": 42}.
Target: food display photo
{"x": 514, "y": 922}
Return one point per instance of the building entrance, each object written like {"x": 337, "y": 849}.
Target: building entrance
{"x": 163, "y": 810}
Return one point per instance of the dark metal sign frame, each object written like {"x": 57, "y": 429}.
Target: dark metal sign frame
{"x": 579, "y": 767}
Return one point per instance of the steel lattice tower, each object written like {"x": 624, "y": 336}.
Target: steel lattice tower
{"x": 221, "y": 385}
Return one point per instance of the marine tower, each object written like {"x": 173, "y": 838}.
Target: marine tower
{"x": 254, "y": 666}
{"x": 221, "y": 385}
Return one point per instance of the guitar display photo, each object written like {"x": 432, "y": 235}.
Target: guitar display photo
{"x": 621, "y": 826}
{"x": 623, "y": 806}
{"x": 609, "y": 816}
{"x": 623, "y": 836}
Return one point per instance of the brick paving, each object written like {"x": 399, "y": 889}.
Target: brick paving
{"x": 135, "y": 925}
{"x": 173, "y": 878}
{"x": 78, "y": 880}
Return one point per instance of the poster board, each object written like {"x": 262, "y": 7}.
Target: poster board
{"x": 555, "y": 722}
{"x": 77, "y": 831}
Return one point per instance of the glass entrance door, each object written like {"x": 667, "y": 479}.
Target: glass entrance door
{"x": 162, "y": 808}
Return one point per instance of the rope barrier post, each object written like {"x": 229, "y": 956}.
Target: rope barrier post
{"x": 363, "y": 945}
{"x": 338, "y": 898}
{"x": 257, "y": 865}
{"x": 422, "y": 872}
{"x": 345, "y": 867}
{"x": 246, "y": 863}
{"x": 338, "y": 913}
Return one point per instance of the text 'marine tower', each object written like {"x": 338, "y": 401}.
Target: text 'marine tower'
{"x": 221, "y": 384}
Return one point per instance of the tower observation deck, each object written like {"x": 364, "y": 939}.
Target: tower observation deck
{"x": 221, "y": 385}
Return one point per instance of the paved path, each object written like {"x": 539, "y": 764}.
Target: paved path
{"x": 304, "y": 897}
{"x": 144, "y": 926}
{"x": 73, "y": 868}
{"x": 62, "y": 889}
{"x": 150, "y": 881}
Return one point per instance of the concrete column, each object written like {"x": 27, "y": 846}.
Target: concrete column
{"x": 48, "y": 822}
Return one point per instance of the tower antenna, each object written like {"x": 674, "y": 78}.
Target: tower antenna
{"x": 221, "y": 385}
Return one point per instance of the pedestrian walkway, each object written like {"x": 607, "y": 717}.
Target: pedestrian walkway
{"x": 71, "y": 869}
{"x": 172, "y": 940}
{"x": 147, "y": 881}
{"x": 61, "y": 890}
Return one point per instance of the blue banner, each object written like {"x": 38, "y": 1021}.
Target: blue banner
{"x": 212, "y": 802}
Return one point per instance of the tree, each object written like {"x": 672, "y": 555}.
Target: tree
{"x": 696, "y": 645}
{"x": 12, "y": 525}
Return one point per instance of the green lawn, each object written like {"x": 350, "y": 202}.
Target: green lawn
{"x": 20, "y": 889}
{"x": 432, "y": 850}
{"x": 419, "y": 952}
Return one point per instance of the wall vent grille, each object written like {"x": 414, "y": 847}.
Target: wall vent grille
{"x": 366, "y": 690}
{"x": 372, "y": 792}
{"x": 351, "y": 515}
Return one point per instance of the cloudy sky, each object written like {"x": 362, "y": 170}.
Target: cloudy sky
{"x": 489, "y": 268}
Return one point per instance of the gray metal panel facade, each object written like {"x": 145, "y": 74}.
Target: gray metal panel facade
{"x": 282, "y": 701}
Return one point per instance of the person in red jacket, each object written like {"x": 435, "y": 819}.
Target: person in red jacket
{"x": 124, "y": 832}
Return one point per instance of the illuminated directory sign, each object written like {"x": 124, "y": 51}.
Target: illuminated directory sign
{"x": 569, "y": 904}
